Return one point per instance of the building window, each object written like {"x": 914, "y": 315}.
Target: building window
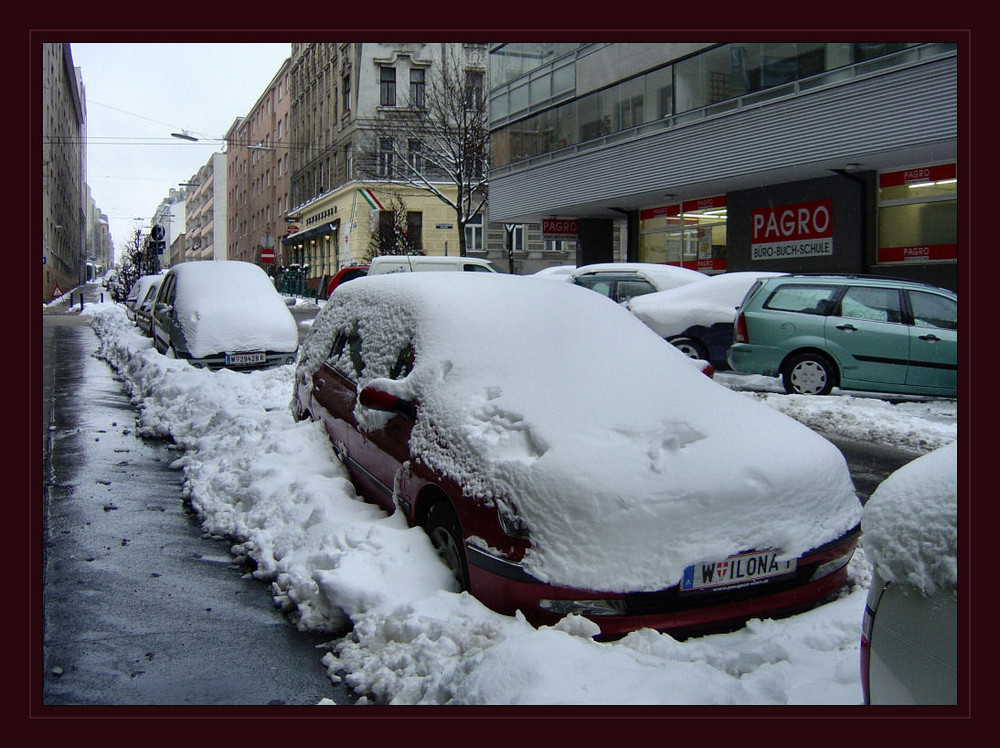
{"x": 385, "y": 158}
{"x": 517, "y": 239}
{"x": 474, "y": 233}
{"x": 918, "y": 215}
{"x": 345, "y": 95}
{"x": 417, "y": 87}
{"x": 415, "y": 231}
{"x": 413, "y": 157}
{"x": 473, "y": 86}
{"x": 387, "y": 86}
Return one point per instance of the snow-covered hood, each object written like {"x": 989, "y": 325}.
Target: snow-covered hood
{"x": 625, "y": 461}
{"x": 910, "y": 523}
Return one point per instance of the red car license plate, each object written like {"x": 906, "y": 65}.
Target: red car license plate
{"x": 742, "y": 570}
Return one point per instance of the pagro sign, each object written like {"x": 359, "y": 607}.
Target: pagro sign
{"x": 789, "y": 231}
{"x": 559, "y": 228}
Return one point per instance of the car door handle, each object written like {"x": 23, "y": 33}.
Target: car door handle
{"x": 848, "y": 326}
{"x": 318, "y": 385}
{"x": 929, "y": 336}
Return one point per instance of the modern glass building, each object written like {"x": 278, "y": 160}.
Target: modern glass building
{"x": 794, "y": 156}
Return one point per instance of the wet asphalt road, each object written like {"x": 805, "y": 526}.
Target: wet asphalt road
{"x": 139, "y": 607}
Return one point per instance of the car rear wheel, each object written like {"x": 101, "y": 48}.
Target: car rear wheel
{"x": 445, "y": 532}
{"x": 690, "y": 348}
{"x": 809, "y": 374}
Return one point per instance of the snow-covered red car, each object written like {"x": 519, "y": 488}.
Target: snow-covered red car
{"x": 526, "y": 427}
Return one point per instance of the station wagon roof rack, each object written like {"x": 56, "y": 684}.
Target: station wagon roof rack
{"x": 863, "y": 276}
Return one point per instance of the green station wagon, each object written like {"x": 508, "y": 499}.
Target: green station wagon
{"x": 871, "y": 333}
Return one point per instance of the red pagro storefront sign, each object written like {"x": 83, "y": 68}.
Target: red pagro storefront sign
{"x": 917, "y": 175}
{"x": 559, "y": 227}
{"x": 789, "y": 231}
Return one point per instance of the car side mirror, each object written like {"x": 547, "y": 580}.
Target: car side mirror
{"x": 163, "y": 308}
{"x": 376, "y": 399}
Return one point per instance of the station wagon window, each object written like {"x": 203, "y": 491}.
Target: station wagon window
{"x": 801, "y": 298}
{"x": 931, "y": 310}
{"x": 875, "y": 304}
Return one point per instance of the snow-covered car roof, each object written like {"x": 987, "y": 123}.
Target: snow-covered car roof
{"x": 141, "y": 285}
{"x": 673, "y": 311}
{"x": 625, "y": 461}
{"x": 661, "y": 277}
{"x": 556, "y": 272}
{"x": 227, "y": 305}
{"x": 910, "y": 523}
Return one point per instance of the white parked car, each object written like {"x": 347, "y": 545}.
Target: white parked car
{"x": 225, "y": 313}
{"x": 621, "y": 281}
{"x": 698, "y": 318}
{"x": 421, "y": 263}
{"x": 909, "y": 644}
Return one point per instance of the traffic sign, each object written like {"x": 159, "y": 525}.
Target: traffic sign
{"x": 267, "y": 255}
{"x": 291, "y": 229}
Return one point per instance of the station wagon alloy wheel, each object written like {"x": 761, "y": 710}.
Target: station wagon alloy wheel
{"x": 807, "y": 374}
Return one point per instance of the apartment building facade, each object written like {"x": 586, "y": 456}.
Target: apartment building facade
{"x": 339, "y": 204}
{"x": 258, "y": 164}
{"x": 818, "y": 156}
{"x": 205, "y": 212}
{"x": 63, "y": 214}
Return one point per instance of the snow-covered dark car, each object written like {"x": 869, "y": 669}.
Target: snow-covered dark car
{"x": 138, "y": 292}
{"x": 223, "y": 314}
{"x": 555, "y": 472}
{"x": 698, "y": 318}
{"x": 144, "y": 307}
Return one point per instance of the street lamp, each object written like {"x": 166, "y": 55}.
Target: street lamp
{"x": 184, "y": 135}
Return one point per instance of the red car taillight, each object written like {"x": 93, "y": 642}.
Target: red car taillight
{"x": 741, "y": 330}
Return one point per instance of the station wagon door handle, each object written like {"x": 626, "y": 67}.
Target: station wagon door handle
{"x": 847, "y": 326}
{"x": 930, "y": 336}
{"x": 318, "y": 385}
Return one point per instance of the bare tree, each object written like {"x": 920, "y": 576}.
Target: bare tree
{"x": 437, "y": 134}
{"x": 140, "y": 259}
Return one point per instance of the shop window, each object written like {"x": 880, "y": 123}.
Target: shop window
{"x": 691, "y": 235}
{"x": 918, "y": 215}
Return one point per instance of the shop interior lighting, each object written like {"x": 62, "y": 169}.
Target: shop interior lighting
{"x": 934, "y": 184}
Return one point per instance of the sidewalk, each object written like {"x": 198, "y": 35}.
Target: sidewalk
{"x": 140, "y": 608}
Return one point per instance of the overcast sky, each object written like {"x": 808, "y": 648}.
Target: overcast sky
{"x": 139, "y": 93}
